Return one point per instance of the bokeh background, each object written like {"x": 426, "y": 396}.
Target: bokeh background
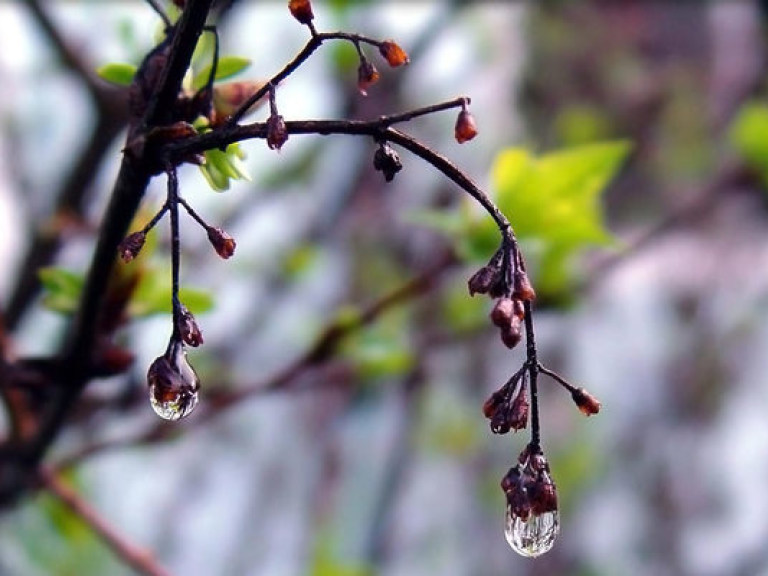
{"x": 378, "y": 460}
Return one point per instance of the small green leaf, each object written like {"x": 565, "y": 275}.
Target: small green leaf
{"x": 117, "y": 73}
{"x": 62, "y": 289}
{"x": 227, "y": 67}
{"x": 749, "y": 135}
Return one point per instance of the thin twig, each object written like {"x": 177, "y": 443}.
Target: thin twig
{"x": 137, "y": 558}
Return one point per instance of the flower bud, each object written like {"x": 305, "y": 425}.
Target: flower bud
{"x": 173, "y": 384}
{"x": 466, "y": 127}
{"x": 387, "y": 161}
{"x": 493, "y": 403}
{"x": 222, "y": 242}
{"x": 512, "y": 334}
{"x": 502, "y": 312}
{"x": 188, "y": 328}
{"x": 367, "y": 75}
{"x": 518, "y": 412}
{"x": 518, "y": 309}
{"x": 131, "y": 245}
{"x": 482, "y": 280}
{"x": 393, "y": 54}
{"x": 522, "y": 289}
{"x": 277, "y": 133}
{"x": 588, "y": 404}
{"x": 301, "y": 10}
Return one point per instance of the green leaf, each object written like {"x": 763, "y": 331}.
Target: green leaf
{"x": 749, "y": 136}
{"x": 153, "y": 296}
{"x": 62, "y": 289}
{"x": 117, "y": 73}
{"x": 227, "y": 67}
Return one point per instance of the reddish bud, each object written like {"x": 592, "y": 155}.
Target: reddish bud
{"x": 522, "y": 287}
{"x": 301, "y": 10}
{"x": 222, "y": 242}
{"x": 518, "y": 412}
{"x": 482, "y": 280}
{"x": 518, "y": 309}
{"x": 131, "y": 245}
{"x": 190, "y": 331}
{"x": 277, "y": 133}
{"x": 512, "y": 334}
{"x": 588, "y": 404}
{"x": 492, "y": 404}
{"x": 393, "y": 54}
{"x": 466, "y": 127}
{"x": 367, "y": 75}
{"x": 502, "y": 312}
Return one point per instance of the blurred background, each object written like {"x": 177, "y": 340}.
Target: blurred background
{"x": 378, "y": 460}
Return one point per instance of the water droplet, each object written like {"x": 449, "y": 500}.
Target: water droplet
{"x": 535, "y": 535}
{"x": 173, "y": 384}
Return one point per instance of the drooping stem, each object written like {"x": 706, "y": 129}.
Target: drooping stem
{"x": 533, "y": 372}
{"x": 173, "y": 207}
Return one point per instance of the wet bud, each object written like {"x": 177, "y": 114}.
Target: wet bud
{"x": 493, "y": 403}
{"x": 393, "y": 54}
{"x": 587, "y": 403}
{"x": 387, "y": 161}
{"x": 500, "y": 422}
{"x": 228, "y": 97}
{"x": 522, "y": 287}
{"x": 512, "y": 334}
{"x": 466, "y": 127}
{"x": 301, "y": 10}
{"x": 131, "y": 245}
{"x": 222, "y": 242}
{"x": 502, "y": 312}
{"x": 277, "y": 133}
{"x": 188, "y": 328}
{"x": 173, "y": 384}
{"x": 367, "y": 75}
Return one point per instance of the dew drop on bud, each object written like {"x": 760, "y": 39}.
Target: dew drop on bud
{"x": 173, "y": 384}
{"x": 533, "y": 536}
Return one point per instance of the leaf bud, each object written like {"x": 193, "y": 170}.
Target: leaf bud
{"x": 301, "y": 10}
{"x": 277, "y": 133}
{"x": 131, "y": 245}
{"x": 387, "y": 161}
{"x": 393, "y": 54}
{"x": 466, "y": 127}
{"x": 222, "y": 242}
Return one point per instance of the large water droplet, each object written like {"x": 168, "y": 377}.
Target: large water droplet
{"x": 173, "y": 384}
{"x": 535, "y": 535}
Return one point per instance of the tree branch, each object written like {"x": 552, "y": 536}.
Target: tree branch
{"x": 137, "y": 558}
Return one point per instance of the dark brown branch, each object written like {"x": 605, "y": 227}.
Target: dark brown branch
{"x": 137, "y": 558}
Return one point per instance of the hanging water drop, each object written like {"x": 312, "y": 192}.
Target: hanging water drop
{"x": 534, "y": 535}
{"x": 173, "y": 384}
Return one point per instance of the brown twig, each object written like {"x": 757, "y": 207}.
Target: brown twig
{"x": 137, "y": 558}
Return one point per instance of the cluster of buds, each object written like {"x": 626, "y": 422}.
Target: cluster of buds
{"x": 532, "y": 522}
{"x": 508, "y": 407}
{"x": 510, "y": 287}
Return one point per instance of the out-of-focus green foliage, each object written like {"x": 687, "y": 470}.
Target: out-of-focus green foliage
{"x": 228, "y": 66}
{"x": 748, "y": 136}
{"x": 118, "y": 73}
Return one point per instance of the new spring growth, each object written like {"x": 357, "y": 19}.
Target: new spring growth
{"x": 302, "y": 11}
{"x": 508, "y": 408}
{"x": 222, "y": 242}
{"x": 131, "y": 245}
{"x": 466, "y": 127}
{"x": 587, "y": 404}
{"x": 393, "y": 54}
{"x": 367, "y": 75}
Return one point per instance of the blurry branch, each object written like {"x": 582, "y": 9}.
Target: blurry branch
{"x": 137, "y": 558}
{"x": 728, "y": 176}
{"x": 110, "y": 106}
{"x": 319, "y": 352}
